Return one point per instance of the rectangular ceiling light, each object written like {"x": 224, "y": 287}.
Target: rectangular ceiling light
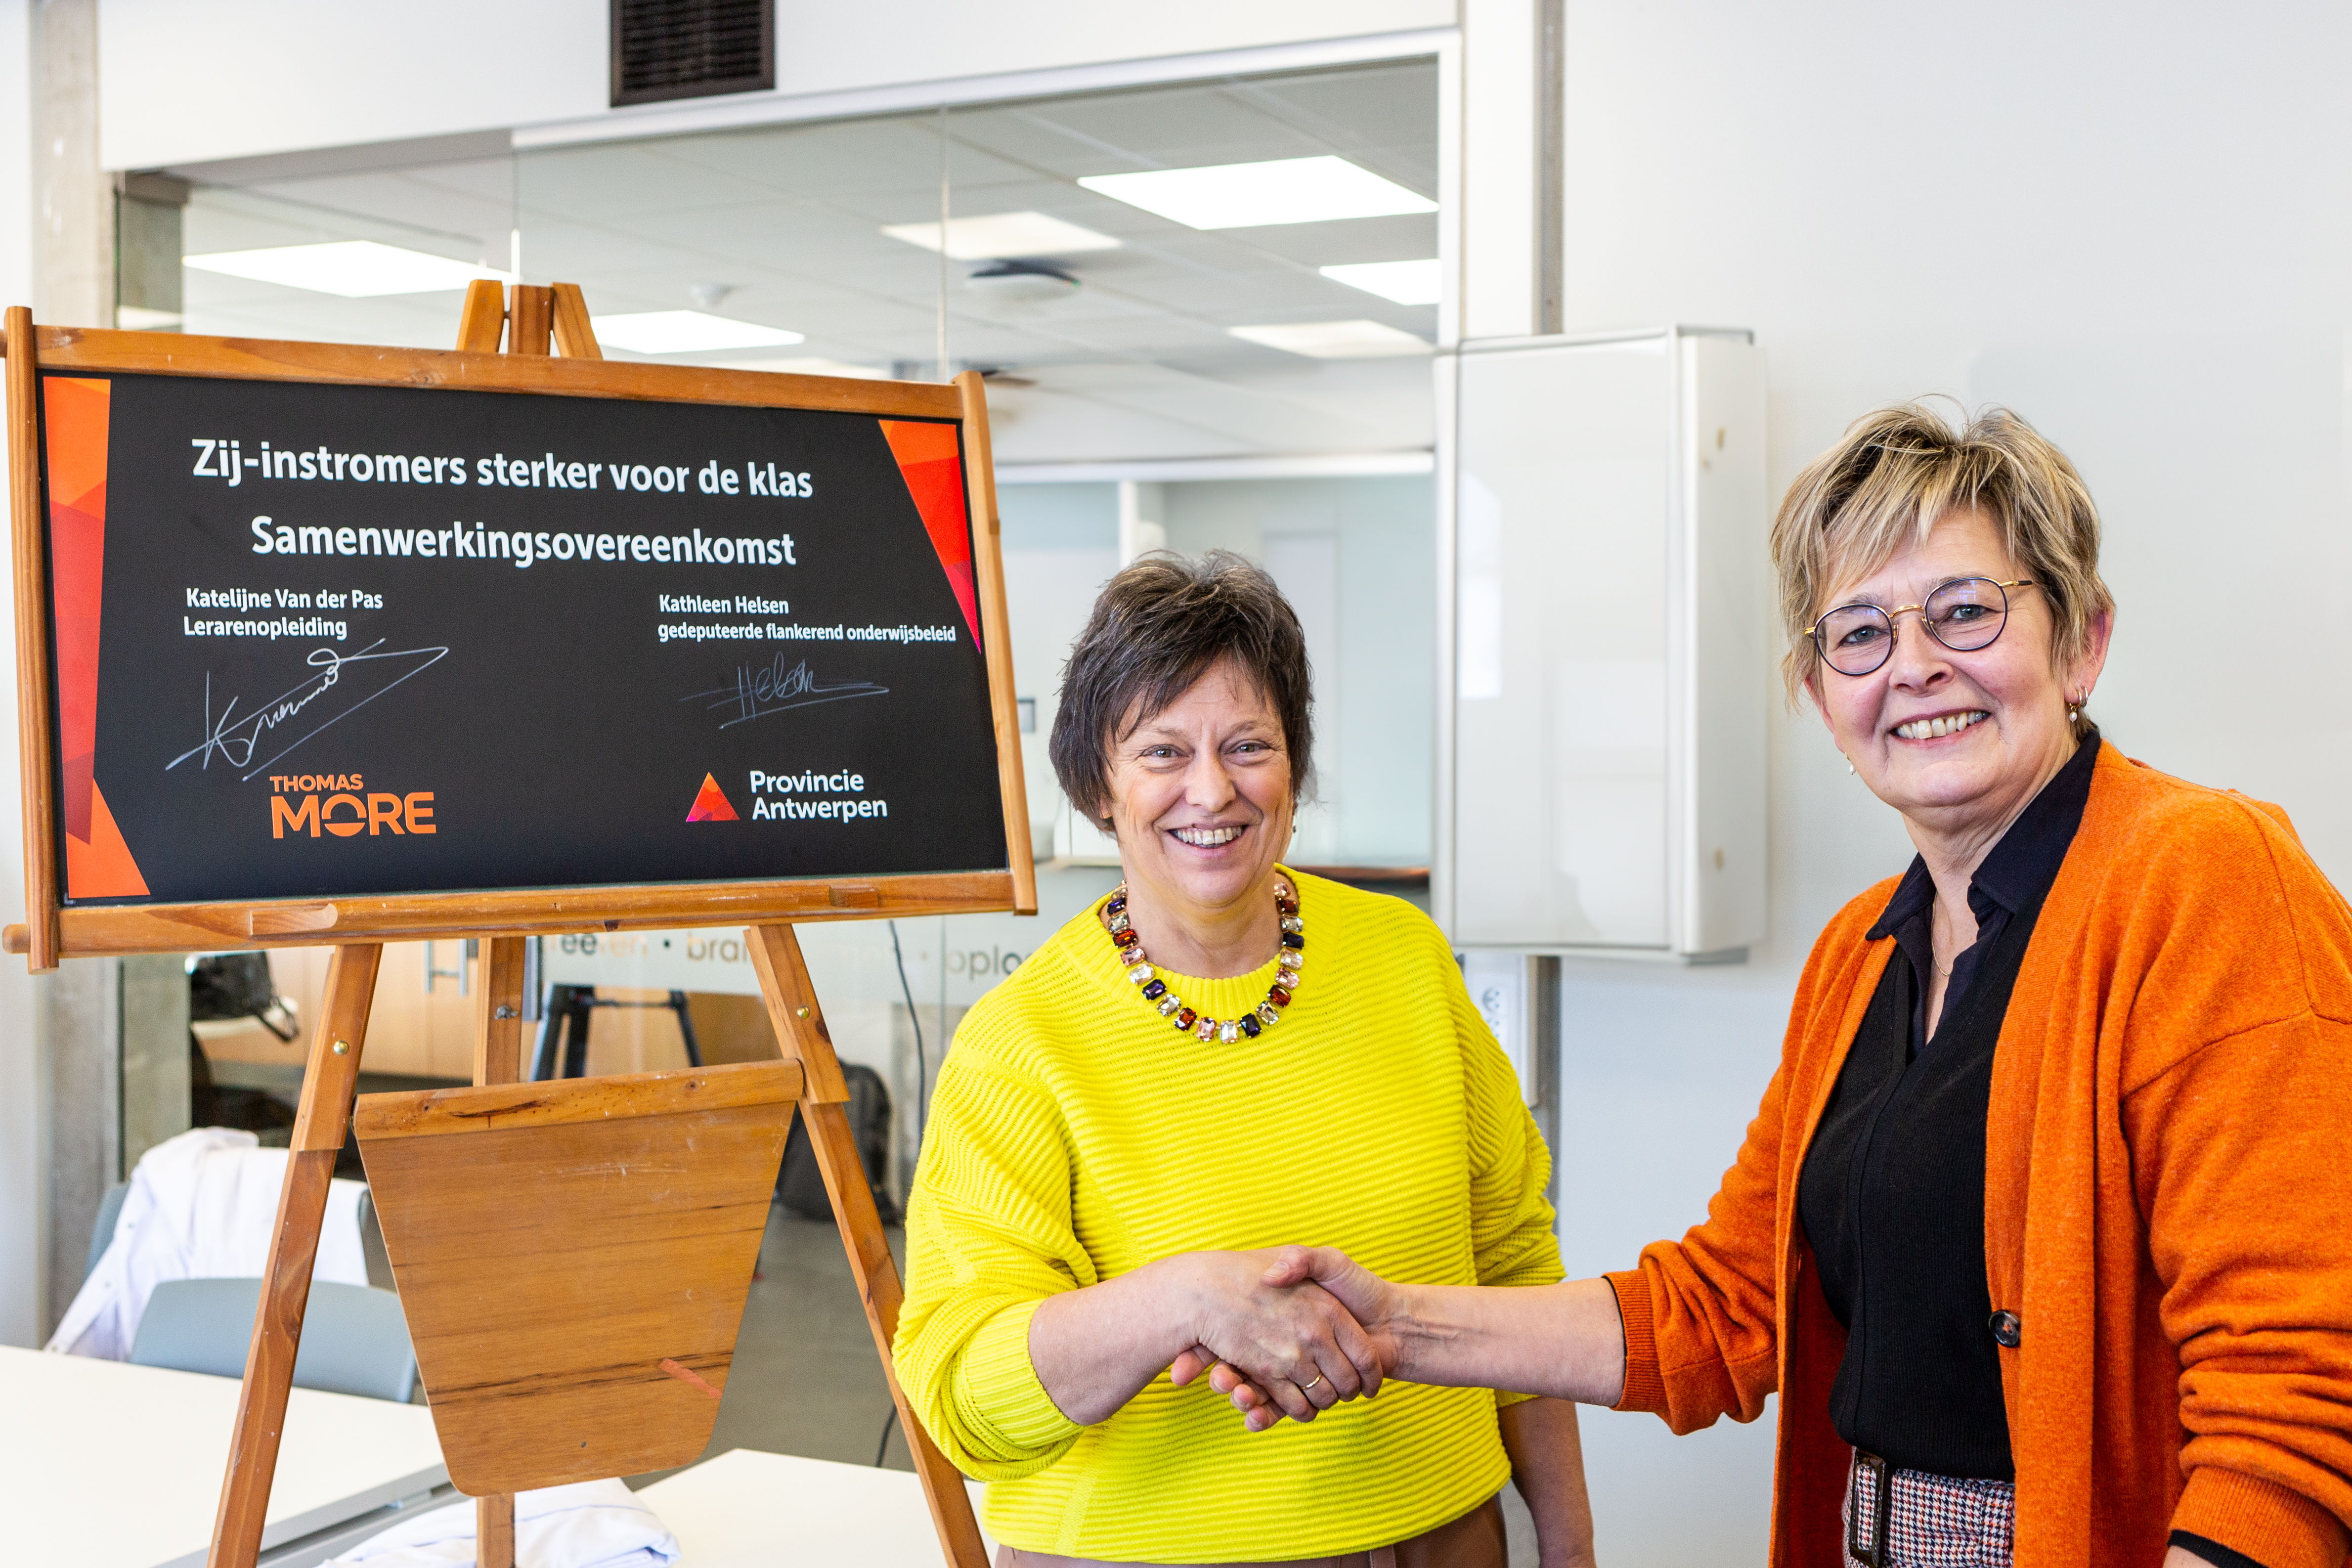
{"x": 685, "y": 333}
{"x": 354, "y": 268}
{"x": 1335, "y": 339}
{"x": 1001, "y": 236}
{"x": 1252, "y": 195}
{"x": 1406, "y": 282}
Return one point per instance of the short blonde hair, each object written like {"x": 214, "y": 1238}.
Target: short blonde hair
{"x": 1895, "y": 475}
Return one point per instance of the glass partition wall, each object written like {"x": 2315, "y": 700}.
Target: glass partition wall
{"x": 1214, "y": 270}
{"x": 1219, "y": 277}
{"x": 1205, "y": 312}
{"x": 1123, "y": 320}
{"x": 375, "y": 257}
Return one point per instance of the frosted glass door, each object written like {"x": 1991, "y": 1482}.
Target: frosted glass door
{"x": 1560, "y": 768}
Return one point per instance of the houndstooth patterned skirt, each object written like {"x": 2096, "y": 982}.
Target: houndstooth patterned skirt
{"x": 1932, "y": 1521}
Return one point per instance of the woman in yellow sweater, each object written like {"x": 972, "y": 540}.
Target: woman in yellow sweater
{"x": 1222, "y": 1057}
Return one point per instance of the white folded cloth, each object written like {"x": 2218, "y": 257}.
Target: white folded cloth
{"x": 201, "y": 1206}
{"x": 589, "y": 1524}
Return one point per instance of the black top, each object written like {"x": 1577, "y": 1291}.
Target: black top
{"x": 1892, "y": 1193}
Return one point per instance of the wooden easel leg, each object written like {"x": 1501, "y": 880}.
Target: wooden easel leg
{"x": 498, "y": 1011}
{"x": 319, "y": 1123}
{"x": 483, "y": 319}
{"x": 529, "y": 318}
{"x": 498, "y": 1058}
{"x": 800, "y": 1029}
{"x": 494, "y": 1540}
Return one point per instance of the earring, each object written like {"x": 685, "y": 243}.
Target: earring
{"x": 1849, "y": 764}
{"x": 2074, "y": 707}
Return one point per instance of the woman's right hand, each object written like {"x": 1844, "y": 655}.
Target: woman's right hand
{"x": 1370, "y": 1302}
{"x": 1292, "y": 1341}
{"x": 1096, "y": 1348}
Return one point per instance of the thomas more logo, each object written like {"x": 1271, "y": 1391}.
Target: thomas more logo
{"x": 340, "y": 803}
{"x": 711, "y": 805}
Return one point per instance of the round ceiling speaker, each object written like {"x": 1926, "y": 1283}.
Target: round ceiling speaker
{"x": 1021, "y": 283}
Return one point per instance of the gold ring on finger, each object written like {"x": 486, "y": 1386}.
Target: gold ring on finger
{"x": 1304, "y": 1387}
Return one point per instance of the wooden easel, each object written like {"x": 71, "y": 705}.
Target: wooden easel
{"x": 532, "y": 321}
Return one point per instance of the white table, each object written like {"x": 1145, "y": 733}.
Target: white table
{"x": 106, "y": 1465}
{"x": 748, "y": 1510}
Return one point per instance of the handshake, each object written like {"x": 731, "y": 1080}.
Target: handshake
{"x": 1287, "y": 1332}
{"x": 1294, "y": 1331}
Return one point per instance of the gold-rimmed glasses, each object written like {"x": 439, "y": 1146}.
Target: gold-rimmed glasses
{"x": 1964, "y": 615}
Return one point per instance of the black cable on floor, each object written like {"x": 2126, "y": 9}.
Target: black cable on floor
{"x": 882, "y": 1450}
{"x": 922, "y": 1071}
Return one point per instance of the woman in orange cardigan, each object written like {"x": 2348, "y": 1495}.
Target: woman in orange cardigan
{"x": 2044, "y": 1233}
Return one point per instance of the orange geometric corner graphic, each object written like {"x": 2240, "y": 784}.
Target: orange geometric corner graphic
{"x": 711, "y": 805}
{"x": 101, "y": 865}
{"x": 931, "y": 459}
{"x": 76, "y": 411}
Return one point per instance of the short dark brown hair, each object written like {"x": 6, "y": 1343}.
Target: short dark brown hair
{"x": 1158, "y": 627}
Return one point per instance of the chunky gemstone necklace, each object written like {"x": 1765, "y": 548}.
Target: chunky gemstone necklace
{"x": 1128, "y": 946}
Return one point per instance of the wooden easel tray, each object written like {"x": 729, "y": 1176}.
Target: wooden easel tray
{"x": 572, "y": 1259}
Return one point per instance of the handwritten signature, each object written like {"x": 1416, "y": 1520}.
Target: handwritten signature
{"x": 756, "y": 692}
{"x": 235, "y": 738}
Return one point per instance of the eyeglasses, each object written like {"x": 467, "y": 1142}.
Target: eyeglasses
{"x": 1964, "y": 615}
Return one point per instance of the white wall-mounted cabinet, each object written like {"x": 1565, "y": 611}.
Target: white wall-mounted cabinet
{"x": 1602, "y": 762}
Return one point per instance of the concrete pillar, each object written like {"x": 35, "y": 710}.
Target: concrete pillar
{"x": 147, "y": 211}
{"x": 81, "y": 1022}
{"x": 114, "y": 1083}
{"x": 23, "y": 1100}
{"x": 154, "y": 1059}
{"x": 79, "y": 1014}
{"x": 74, "y": 201}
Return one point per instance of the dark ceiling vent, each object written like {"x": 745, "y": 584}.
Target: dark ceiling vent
{"x": 691, "y": 48}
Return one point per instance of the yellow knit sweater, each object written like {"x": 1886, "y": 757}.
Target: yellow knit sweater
{"x": 1075, "y": 1135}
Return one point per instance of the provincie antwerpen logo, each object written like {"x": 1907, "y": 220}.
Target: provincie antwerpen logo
{"x": 341, "y": 804}
{"x": 850, "y": 802}
{"x": 711, "y": 805}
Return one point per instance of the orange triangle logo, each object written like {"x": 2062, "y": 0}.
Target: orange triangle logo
{"x": 711, "y": 805}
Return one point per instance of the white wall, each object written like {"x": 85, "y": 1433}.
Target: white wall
{"x": 1365, "y": 538}
{"x": 2132, "y": 224}
{"x": 228, "y": 79}
{"x": 1061, "y": 545}
{"x": 1374, "y": 694}
{"x": 23, "y": 1164}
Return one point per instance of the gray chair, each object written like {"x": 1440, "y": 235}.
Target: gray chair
{"x": 354, "y": 1340}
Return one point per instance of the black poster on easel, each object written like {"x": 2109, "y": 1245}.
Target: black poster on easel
{"x": 319, "y": 640}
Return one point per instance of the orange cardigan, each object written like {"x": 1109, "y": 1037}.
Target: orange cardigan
{"x": 2168, "y": 1206}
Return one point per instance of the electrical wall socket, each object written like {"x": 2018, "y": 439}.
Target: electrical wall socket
{"x": 1498, "y": 986}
